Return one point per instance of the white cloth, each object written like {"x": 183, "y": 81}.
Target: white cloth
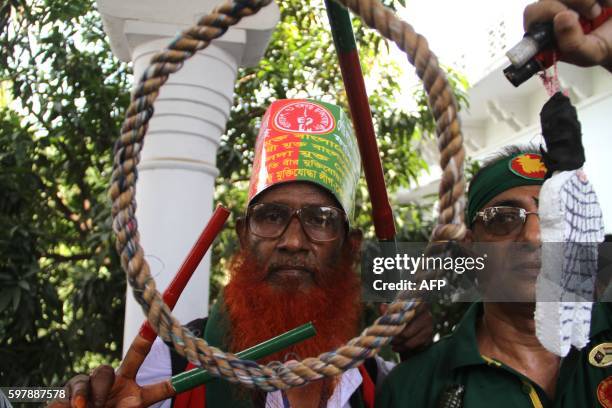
{"x": 571, "y": 226}
{"x": 157, "y": 366}
{"x": 349, "y": 382}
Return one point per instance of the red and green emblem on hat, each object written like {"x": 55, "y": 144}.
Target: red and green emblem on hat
{"x": 529, "y": 166}
{"x": 305, "y": 140}
{"x": 304, "y": 117}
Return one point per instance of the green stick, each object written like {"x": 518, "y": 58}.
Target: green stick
{"x": 198, "y": 376}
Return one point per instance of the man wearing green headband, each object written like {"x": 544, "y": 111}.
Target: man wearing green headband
{"x": 296, "y": 263}
{"x": 493, "y": 357}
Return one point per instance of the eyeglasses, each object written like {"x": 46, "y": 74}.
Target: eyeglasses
{"x": 320, "y": 223}
{"x": 503, "y": 220}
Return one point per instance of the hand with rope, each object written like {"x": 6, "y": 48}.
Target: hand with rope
{"x": 576, "y": 47}
{"x": 418, "y": 333}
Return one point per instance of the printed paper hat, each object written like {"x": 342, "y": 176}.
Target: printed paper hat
{"x": 305, "y": 140}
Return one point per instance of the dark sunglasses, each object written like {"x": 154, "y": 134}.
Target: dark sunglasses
{"x": 503, "y": 220}
{"x": 320, "y": 223}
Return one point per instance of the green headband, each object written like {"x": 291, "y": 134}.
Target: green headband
{"x": 523, "y": 169}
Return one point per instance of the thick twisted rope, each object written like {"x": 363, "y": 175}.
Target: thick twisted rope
{"x": 450, "y": 226}
{"x": 125, "y": 226}
{"x": 443, "y": 105}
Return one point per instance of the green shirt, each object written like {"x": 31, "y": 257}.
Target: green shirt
{"x": 419, "y": 381}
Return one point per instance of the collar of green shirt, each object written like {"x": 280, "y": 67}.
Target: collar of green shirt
{"x": 601, "y": 319}
{"x": 463, "y": 347}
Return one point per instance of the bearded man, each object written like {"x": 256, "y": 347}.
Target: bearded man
{"x": 297, "y": 263}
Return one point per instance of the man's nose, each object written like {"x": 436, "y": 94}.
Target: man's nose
{"x": 294, "y": 238}
{"x": 531, "y": 230}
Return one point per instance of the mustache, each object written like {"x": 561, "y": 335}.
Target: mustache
{"x": 527, "y": 258}
{"x": 534, "y": 264}
{"x": 293, "y": 262}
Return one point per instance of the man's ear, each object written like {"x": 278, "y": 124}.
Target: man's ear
{"x": 241, "y": 231}
{"x": 354, "y": 240}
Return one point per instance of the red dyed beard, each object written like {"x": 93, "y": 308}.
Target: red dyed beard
{"x": 259, "y": 311}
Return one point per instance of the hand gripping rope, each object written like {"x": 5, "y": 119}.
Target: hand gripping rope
{"x": 123, "y": 184}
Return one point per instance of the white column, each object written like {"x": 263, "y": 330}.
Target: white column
{"x": 177, "y": 169}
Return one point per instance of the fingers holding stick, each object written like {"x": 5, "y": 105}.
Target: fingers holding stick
{"x": 580, "y": 48}
{"x": 576, "y": 47}
{"x": 541, "y": 12}
{"x": 546, "y": 10}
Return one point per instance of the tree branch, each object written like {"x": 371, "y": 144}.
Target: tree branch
{"x": 61, "y": 207}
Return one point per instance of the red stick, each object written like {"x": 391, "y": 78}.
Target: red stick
{"x": 178, "y": 284}
{"x": 354, "y": 85}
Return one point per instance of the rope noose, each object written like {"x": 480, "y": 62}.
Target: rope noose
{"x": 122, "y": 192}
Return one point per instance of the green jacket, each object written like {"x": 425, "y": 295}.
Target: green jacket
{"x": 420, "y": 381}
{"x": 222, "y": 393}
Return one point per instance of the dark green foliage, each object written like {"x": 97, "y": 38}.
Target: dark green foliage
{"x": 61, "y": 287}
